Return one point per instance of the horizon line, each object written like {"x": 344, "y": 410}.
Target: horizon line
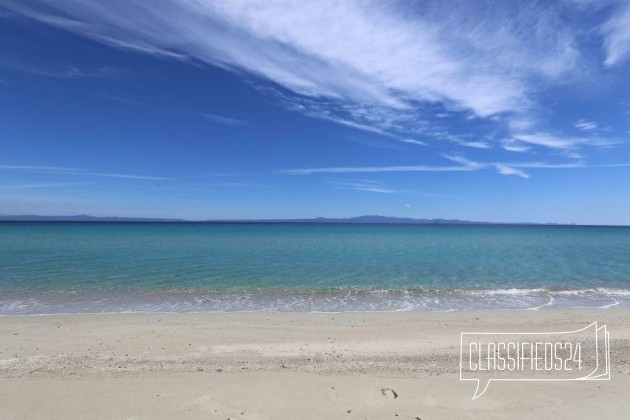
{"x": 356, "y": 220}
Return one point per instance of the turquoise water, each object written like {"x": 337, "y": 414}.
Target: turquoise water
{"x": 119, "y": 267}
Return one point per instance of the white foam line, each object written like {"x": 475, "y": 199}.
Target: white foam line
{"x": 551, "y": 301}
{"x": 610, "y": 305}
{"x": 433, "y": 301}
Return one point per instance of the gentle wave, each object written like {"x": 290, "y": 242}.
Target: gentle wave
{"x": 603, "y": 291}
{"x": 338, "y": 300}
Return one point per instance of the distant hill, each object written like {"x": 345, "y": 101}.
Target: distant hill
{"x": 79, "y": 218}
{"x": 367, "y": 219}
{"x": 375, "y": 219}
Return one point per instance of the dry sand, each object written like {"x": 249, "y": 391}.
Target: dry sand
{"x": 287, "y": 366}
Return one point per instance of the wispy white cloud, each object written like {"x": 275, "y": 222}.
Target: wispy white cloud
{"x": 465, "y": 165}
{"x": 376, "y": 169}
{"x": 125, "y": 176}
{"x": 521, "y": 123}
{"x": 59, "y": 72}
{"x": 372, "y": 186}
{"x": 612, "y": 165}
{"x": 363, "y": 185}
{"x": 398, "y": 70}
{"x": 355, "y": 124}
{"x": 513, "y": 168}
{"x": 512, "y": 145}
{"x": 478, "y": 144}
{"x": 227, "y": 184}
{"x": 78, "y": 172}
{"x": 394, "y": 123}
{"x": 617, "y": 35}
{"x": 231, "y": 174}
{"x": 375, "y": 67}
{"x": 562, "y": 142}
{"x": 465, "y": 162}
{"x": 502, "y": 168}
{"x": 412, "y": 141}
{"x": 545, "y": 165}
{"x": 509, "y": 170}
{"x": 585, "y": 125}
{"x": 221, "y": 119}
{"x": 43, "y": 185}
{"x": 547, "y": 140}
{"x": 37, "y": 168}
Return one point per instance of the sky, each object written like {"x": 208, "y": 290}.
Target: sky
{"x": 504, "y": 111}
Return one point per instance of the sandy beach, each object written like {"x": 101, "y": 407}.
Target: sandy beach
{"x": 286, "y": 366}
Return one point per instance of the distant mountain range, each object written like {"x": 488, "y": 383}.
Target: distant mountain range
{"x": 78, "y": 218}
{"x": 368, "y": 219}
{"x": 374, "y": 219}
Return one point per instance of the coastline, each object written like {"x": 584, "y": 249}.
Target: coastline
{"x": 304, "y": 300}
{"x": 286, "y": 365}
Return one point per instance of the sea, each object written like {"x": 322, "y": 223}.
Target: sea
{"x": 75, "y": 267}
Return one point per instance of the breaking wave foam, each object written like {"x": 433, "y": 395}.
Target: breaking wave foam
{"x": 337, "y": 300}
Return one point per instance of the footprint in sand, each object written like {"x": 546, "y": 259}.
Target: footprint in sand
{"x": 389, "y": 392}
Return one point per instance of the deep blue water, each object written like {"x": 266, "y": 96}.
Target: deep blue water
{"x": 114, "y": 267}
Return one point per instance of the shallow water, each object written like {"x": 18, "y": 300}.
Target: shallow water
{"x": 189, "y": 267}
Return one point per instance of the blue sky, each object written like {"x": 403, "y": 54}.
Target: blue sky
{"x": 199, "y": 109}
